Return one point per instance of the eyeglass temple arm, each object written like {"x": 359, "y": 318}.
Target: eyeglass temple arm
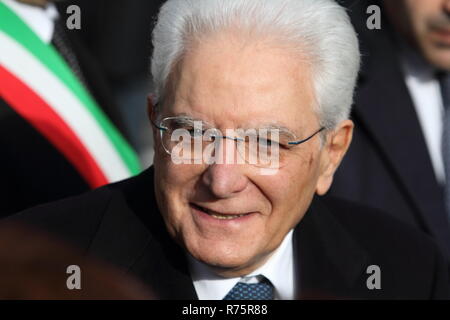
{"x": 309, "y": 138}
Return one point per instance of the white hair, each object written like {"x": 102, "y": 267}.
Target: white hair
{"x": 320, "y": 29}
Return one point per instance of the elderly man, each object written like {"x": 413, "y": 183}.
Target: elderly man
{"x": 272, "y": 80}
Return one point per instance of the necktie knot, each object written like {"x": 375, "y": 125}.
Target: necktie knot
{"x": 444, "y": 81}
{"x": 262, "y": 290}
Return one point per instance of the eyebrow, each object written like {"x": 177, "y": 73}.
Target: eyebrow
{"x": 275, "y": 126}
{"x": 268, "y": 126}
{"x": 187, "y": 119}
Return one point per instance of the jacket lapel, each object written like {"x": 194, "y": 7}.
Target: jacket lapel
{"x": 132, "y": 236}
{"x": 328, "y": 260}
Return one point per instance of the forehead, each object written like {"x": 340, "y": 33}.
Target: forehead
{"x": 227, "y": 81}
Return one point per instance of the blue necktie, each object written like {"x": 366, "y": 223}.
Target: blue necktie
{"x": 251, "y": 291}
{"x": 445, "y": 89}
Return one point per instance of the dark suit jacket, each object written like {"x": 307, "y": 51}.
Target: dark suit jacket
{"x": 388, "y": 165}
{"x": 334, "y": 244}
{"x": 32, "y": 170}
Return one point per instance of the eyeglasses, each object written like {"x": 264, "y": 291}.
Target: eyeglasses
{"x": 187, "y": 139}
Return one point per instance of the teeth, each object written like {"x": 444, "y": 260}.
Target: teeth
{"x": 221, "y": 216}
{"x": 225, "y": 217}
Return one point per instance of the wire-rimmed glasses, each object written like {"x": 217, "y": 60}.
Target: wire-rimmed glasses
{"x": 188, "y": 140}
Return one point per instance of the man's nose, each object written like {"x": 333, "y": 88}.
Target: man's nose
{"x": 225, "y": 179}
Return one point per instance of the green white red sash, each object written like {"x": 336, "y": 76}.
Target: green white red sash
{"x": 37, "y": 83}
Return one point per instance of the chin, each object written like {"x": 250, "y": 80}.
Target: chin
{"x": 439, "y": 57}
{"x": 223, "y": 255}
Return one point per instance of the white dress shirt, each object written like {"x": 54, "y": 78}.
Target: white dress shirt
{"x": 425, "y": 92}
{"x": 40, "y": 20}
{"x": 279, "y": 269}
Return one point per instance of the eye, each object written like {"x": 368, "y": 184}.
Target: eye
{"x": 264, "y": 142}
{"x": 193, "y": 130}
{"x": 195, "y": 133}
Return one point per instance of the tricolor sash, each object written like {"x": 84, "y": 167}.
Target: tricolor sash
{"x": 39, "y": 85}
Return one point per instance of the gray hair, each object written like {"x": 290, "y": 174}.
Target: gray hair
{"x": 319, "y": 29}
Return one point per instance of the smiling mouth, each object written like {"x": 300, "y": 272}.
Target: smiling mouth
{"x": 218, "y": 215}
{"x": 440, "y": 32}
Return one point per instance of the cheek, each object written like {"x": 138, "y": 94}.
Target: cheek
{"x": 174, "y": 184}
{"x": 422, "y": 20}
{"x": 291, "y": 189}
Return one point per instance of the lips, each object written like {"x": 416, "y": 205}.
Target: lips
{"x": 441, "y": 34}
{"x": 219, "y": 215}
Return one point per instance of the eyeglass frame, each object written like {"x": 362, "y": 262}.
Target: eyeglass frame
{"x": 293, "y": 143}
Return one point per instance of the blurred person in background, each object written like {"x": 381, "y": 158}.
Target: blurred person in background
{"x": 60, "y": 131}
{"x": 37, "y": 266}
{"x": 400, "y": 156}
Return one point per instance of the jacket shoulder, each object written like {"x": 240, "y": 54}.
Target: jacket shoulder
{"x": 408, "y": 257}
{"x": 371, "y": 225}
{"x": 75, "y": 219}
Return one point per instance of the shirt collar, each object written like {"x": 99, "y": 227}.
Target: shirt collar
{"x": 415, "y": 65}
{"x": 279, "y": 269}
{"x": 40, "y": 20}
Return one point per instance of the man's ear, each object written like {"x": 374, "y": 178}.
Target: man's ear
{"x": 335, "y": 148}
